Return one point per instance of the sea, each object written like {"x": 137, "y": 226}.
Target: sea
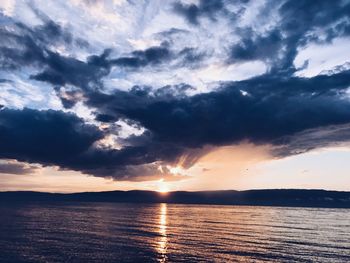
{"x": 129, "y": 232}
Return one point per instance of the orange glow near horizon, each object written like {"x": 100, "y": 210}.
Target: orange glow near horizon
{"x": 238, "y": 167}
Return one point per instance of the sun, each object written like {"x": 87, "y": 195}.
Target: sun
{"x": 163, "y": 189}
{"x": 162, "y": 186}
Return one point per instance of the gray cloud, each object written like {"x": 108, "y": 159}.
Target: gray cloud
{"x": 192, "y": 12}
{"x": 292, "y": 113}
{"x": 14, "y": 167}
{"x": 297, "y": 28}
{"x": 334, "y": 135}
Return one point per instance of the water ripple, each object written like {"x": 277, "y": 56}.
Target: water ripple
{"x": 105, "y": 232}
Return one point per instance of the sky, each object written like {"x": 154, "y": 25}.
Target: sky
{"x": 172, "y": 95}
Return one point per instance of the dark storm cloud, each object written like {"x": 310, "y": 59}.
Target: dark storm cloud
{"x": 192, "y": 12}
{"x": 285, "y": 112}
{"x": 62, "y": 139}
{"x": 47, "y": 137}
{"x": 272, "y": 108}
{"x": 272, "y": 111}
{"x": 105, "y": 118}
{"x": 138, "y": 97}
{"x": 276, "y": 108}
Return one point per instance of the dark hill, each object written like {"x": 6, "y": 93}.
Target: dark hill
{"x": 278, "y": 197}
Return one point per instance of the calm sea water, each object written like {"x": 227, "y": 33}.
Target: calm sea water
{"x": 105, "y": 232}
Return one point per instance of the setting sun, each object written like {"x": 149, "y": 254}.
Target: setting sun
{"x": 162, "y": 186}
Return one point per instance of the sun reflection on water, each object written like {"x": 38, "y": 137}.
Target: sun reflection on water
{"x": 163, "y": 241}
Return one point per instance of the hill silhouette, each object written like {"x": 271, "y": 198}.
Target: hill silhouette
{"x": 275, "y": 197}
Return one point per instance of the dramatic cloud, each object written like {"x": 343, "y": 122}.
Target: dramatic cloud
{"x": 14, "y": 167}
{"x": 61, "y": 139}
{"x": 261, "y": 110}
{"x": 134, "y": 106}
{"x": 337, "y": 135}
{"x": 193, "y": 12}
{"x": 47, "y": 137}
{"x": 142, "y": 58}
{"x": 295, "y": 28}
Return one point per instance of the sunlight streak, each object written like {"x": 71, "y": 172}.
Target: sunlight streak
{"x": 163, "y": 241}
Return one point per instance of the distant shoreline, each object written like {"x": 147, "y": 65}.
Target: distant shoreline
{"x": 275, "y": 197}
